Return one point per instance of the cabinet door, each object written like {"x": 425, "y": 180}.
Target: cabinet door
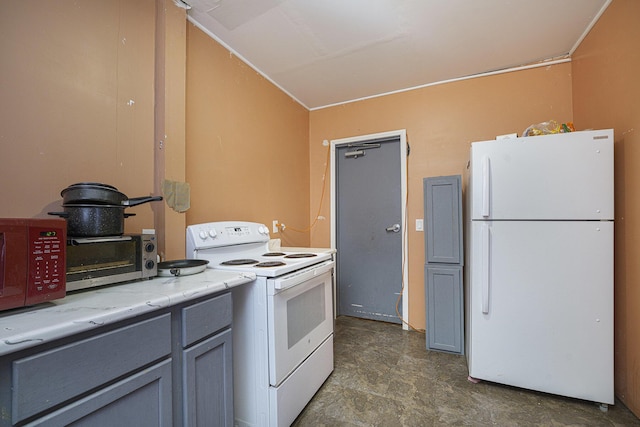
{"x": 52, "y": 377}
{"x": 444, "y": 308}
{"x": 208, "y": 382}
{"x": 443, "y": 215}
{"x": 144, "y": 399}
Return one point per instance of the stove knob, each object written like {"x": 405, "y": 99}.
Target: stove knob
{"x": 212, "y": 233}
{"x": 263, "y": 230}
{"x": 203, "y": 235}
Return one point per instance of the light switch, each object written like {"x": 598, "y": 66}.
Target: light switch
{"x": 419, "y": 224}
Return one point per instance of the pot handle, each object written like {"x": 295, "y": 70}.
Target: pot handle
{"x": 140, "y": 200}
{"x": 175, "y": 271}
{"x": 60, "y": 214}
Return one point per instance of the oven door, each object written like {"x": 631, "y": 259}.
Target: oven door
{"x": 300, "y": 317}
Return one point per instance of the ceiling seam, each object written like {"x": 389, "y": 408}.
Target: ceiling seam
{"x": 590, "y": 26}
{"x": 243, "y": 59}
{"x": 554, "y": 61}
{"x": 546, "y": 63}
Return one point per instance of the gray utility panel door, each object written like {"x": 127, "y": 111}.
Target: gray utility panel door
{"x": 368, "y": 229}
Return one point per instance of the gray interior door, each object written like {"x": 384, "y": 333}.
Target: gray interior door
{"x": 368, "y": 229}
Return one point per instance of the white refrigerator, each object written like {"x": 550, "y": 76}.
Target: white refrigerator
{"x": 539, "y": 289}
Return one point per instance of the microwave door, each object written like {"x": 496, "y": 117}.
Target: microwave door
{"x": 2, "y": 256}
{"x": 13, "y": 266}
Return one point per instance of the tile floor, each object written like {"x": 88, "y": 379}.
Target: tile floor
{"x": 385, "y": 377}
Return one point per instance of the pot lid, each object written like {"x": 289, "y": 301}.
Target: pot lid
{"x": 92, "y": 184}
{"x": 91, "y": 205}
{"x": 95, "y": 186}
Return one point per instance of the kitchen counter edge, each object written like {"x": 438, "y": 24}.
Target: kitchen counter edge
{"x": 85, "y": 310}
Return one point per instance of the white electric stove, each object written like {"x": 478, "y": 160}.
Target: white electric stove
{"x": 244, "y": 246}
{"x": 282, "y": 322}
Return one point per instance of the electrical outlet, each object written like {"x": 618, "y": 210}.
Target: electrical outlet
{"x": 275, "y": 226}
{"x": 419, "y": 224}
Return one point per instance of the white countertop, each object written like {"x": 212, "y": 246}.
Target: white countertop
{"x": 81, "y": 311}
{"x": 275, "y": 245}
{"x": 315, "y": 250}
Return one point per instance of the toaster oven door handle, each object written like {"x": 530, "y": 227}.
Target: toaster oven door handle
{"x": 80, "y": 241}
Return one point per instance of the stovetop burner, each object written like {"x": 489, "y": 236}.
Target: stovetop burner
{"x": 270, "y": 264}
{"x": 274, "y": 254}
{"x": 301, "y": 255}
{"x": 245, "y": 261}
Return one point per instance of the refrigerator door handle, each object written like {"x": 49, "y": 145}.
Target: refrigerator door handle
{"x": 486, "y": 263}
{"x": 486, "y": 185}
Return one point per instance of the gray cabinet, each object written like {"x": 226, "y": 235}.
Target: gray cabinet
{"x": 208, "y": 382}
{"x": 443, "y": 216}
{"x": 443, "y": 263}
{"x": 169, "y": 367}
{"x": 86, "y": 377}
{"x": 444, "y": 308}
{"x": 142, "y": 399}
{"x": 205, "y": 351}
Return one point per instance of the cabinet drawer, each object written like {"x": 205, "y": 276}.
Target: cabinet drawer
{"x": 122, "y": 403}
{"x": 204, "y": 318}
{"x": 49, "y": 378}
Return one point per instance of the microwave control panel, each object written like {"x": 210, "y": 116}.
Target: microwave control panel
{"x": 46, "y": 261}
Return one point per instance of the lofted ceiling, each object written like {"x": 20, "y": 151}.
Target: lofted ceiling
{"x": 327, "y": 52}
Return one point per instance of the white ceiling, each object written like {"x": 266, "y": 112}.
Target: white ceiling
{"x": 326, "y": 52}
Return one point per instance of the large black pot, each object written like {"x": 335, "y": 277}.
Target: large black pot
{"x": 98, "y": 193}
{"x": 93, "y": 220}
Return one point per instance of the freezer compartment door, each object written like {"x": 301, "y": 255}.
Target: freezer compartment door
{"x": 564, "y": 176}
{"x": 541, "y": 306}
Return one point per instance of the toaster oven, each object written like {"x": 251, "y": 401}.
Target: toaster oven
{"x": 99, "y": 261}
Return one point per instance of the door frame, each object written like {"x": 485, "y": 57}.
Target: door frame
{"x": 402, "y": 134}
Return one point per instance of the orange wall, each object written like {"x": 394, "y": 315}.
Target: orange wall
{"x": 247, "y": 147}
{"x": 441, "y": 122}
{"x": 606, "y": 93}
{"x": 69, "y": 70}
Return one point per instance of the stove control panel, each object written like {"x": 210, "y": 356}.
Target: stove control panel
{"x": 224, "y": 233}
{"x": 238, "y": 231}
{"x": 247, "y": 231}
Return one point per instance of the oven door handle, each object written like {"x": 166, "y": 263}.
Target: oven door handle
{"x": 302, "y": 276}
{"x": 81, "y": 240}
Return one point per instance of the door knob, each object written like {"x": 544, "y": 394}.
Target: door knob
{"x": 394, "y": 228}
